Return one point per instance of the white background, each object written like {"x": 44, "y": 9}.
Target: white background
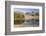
{"x": 2, "y": 18}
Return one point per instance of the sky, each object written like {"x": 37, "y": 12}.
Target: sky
{"x": 26, "y": 10}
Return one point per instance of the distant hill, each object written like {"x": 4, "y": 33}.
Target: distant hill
{"x": 32, "y": 13}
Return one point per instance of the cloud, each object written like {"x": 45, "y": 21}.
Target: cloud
{"x": 26, "y": 10}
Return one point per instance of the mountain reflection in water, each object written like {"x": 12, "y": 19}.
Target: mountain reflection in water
{"x": 31, "y": 22}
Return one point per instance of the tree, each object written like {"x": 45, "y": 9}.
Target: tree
{"x": 18, "y": 15}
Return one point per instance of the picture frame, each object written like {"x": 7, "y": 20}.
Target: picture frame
{"x": 15, "y": 26}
